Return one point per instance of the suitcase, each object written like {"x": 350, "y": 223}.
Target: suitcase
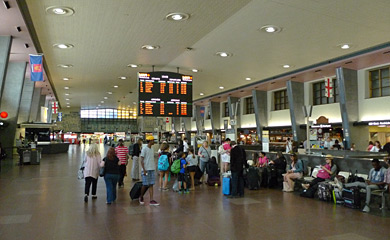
{"x": 309, "y": 193}
{"x": 135, "y": 191}
{"x": 325, "y": 192}
{"x": 214, "y": 180}
{"x": 198, "y": 173}
{"x": 226, "y": 186}
{"x": 253, "y": 178}
{"x": 351, "y": 197}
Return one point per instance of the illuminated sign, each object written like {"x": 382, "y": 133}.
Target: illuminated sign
{"x": 322, "y": 126}
{"x": 378, "y": 123}
{"x": 164, "y": 94}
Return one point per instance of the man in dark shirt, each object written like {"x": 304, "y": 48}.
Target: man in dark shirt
{"x": 237, "y": 161}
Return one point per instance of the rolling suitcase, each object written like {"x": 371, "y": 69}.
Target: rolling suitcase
{"x": 226, "y": 186}
{"x": 325, "y": 191}
{"x": 351, "y": 197}
{"x": 253, "y": 178}
{"x": 135, "y": 191}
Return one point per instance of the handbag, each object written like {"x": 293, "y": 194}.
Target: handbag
{"x": 101, "y": 172}
{"x": 80, "y": 174}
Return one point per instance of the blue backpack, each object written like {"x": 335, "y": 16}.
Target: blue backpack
{"x": 163, "y": 163}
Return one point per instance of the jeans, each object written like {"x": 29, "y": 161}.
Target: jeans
{"x": 111, "y": 182}
{"x": 122, "y": 172}
{"x": 367, "y": 187}
{"x": 237, "y": 184}
{"x": 88, "y": 182}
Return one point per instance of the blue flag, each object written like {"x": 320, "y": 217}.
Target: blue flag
{"x": 36, "y": 68}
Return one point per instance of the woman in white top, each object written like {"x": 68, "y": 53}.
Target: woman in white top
{"x": 288, "y": 145}
{"x": 92, "y": 163}
{"x": 328, "y": 143}
{"x": 377, "y": 147}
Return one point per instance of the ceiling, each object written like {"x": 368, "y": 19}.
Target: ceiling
{"x": 108, "y": 35}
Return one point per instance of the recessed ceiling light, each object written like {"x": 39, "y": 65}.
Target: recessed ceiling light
{"x": 134, "y": 65}
{"x": 177, "y": 16}
{"x": 271, "y": 29}
{"x": 134, "y": 103}
{"x": 67, "y": 99}
{"x": 68, "y": 106}
{"x": 150, "y": 47}
{"x": 105, "y": 97}
{"x": 109, "y": 93}
{"x": 66, "y": 94}
{"x": 66, "y": 88}
{"x": 345, "y": 46}
{"x": 65, "y": 65}
{"x": 286, "y": 66}
{"x": 221, "y": 87}
{"x": 248, "y": 79}
{"x": 123, "y": 78}
{"x": 102, "y": 101}
{"x": 201, "y": 94}
{"x": 67, "y": 103}
{"x": 66, "y": 79}
{"x": 63, "y": 45}
{"x": 223, "y": 54}
{"x": 60, "y": 11}
{"x": 115, "y": 86}
{"x": 195, "y": 70}
{"x": 99, "y": 105}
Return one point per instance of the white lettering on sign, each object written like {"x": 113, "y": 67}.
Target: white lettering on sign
{"x": 378, "y": 123}
{"x": 322, "y": 126}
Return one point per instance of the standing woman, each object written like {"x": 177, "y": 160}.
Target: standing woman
{"x": 225, "y": 156}
{"x": 192, "y": 162}
{"x": 135, "y": 156}
{"x": 204, "y": 156}
{"x": 164, "y": 173}
{"x": 92, "y": 163}
{"x": 295, "y": 171}
{"x": 111, "y": 166}
{"x": 377, "y": 147}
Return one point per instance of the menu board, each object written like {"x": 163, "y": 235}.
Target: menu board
{"x": 164, "y": 94}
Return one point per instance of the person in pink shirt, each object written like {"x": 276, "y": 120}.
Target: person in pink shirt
{"x": 263, "y": 160}
{"x": 225, "y": 156}
{"x": 327, "y": 171}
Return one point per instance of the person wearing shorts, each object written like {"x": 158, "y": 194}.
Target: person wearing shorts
{"x": 192, "y": 162}
{"x": 148, "y": 171}
{"x": 225, "y": 156}
{"x": 204, "y": 156}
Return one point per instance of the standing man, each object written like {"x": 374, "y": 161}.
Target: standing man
{"x": 185, "y": 146}
{"x": 122, "y": 153}
{"x": 237, "y": 161}
{"x": 148, "y": 171}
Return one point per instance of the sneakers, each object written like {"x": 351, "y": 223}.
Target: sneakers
{"x": 141, "y": 200}
{"x": 94, "y": 196}
{"x": 366, "y": 209}
{"x": 86, "y": 198}
{"x": 186, "y": 191}
{"x": 154, "y": 203}
{"x": 339, "y": 184}
{"x": 165, "y": 189}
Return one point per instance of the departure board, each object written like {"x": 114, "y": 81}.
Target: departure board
{"x": 164, "y": 94}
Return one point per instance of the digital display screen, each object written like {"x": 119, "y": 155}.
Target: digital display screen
{"x": 164, "y": 94}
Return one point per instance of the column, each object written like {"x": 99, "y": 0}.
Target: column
{"x": 215, "y": 116}
{"x": 10, "y": 100}
{"x": 186, "y": 121}
{"x": 35, "y": 105}
{"x": 234, "y": 114}
{"x": 295, "y": 93}
{"x": 42, "y": 101}
{"x": 5, "y": 48}
{"x": 261, "y": 112}
{"x": 199, "y": 120}
{"x": 26, "y": 100}
{"x": 347, "y": 83}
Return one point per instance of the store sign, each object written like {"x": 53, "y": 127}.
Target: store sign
{"x": 378, "y": 123}
{"x": 322, "y": 126}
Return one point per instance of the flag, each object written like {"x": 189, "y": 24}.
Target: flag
{"x": 54, "y": 107}
{"x": 36, "y": 68}
{"x": 329, "y": 87}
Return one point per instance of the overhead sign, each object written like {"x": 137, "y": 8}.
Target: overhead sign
{"x": 379, "y": 123}
{"x": 164, "y": 94}
{"x": 59, "y": 116}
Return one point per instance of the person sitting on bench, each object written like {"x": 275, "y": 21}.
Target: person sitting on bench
{"x": 327, "y": 171}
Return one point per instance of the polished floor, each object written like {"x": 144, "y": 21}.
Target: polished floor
{"x": 46, "y": 202}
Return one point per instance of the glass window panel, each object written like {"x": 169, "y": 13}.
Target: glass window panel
{"x": 324, "y": 100}
{"x": 318, "y": 101}
{"x": 322, "y": 92}
{"x": 375, "y": 84}
{"x": 374, "y": 75}
{"x": 331, "y": 100}
{"x": 115, "y": 113}
{"x": 84, "y": 113}
{"x": 317, "y": 86}
{"x": 384, "y": 73}
{"x": 92, "y": 114}
{"x": 375, "y": 92}
{"x": 386, "y": 91}
{"x": 109, "y": 113}
{"x": 385, "y": 82}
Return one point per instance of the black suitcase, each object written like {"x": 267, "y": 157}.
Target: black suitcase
{"x": 309, "y": 193}
{"x": 325, "y": 191}
{"x": 198, "y": 173}
{"x": 351, "y": 197}
{"x": 135, "y": 191}
{"x": 253, "y": 178}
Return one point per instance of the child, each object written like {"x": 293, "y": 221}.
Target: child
{"x": 183, "y": 165}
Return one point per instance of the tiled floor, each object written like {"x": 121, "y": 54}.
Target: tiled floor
{"x": 46, "y": 202}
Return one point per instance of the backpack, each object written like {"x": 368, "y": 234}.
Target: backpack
{"x": 131, "y": 150}
{"x": 325, "y": 192}
{"x": 175, "y": 168}
{"x": 163, "y": 163}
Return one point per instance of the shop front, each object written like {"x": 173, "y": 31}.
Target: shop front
{"x": 248, "y": 136}
{"x": 377, "y": 130}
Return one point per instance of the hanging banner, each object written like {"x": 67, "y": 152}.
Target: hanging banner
{"x": 59, "y": 116}
{"x": 36, "y": 68}
{"x": 328, "y": 87}
{"x": 54, "y": 107}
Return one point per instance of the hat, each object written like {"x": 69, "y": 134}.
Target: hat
{"x": 149, "y": 138}
{"x": 329, "y": 156}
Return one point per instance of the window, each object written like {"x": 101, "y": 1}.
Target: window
{"x": 319, "y": 96}
{"x": 379, "y": 82}
{"x": 249, "y": 108}
{"x": 226, "y": 107}
{"x": 109, "y": 114}
{"x": 280, "y": 100}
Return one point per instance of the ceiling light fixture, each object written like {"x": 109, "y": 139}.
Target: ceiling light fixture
{"x": 221, "y": 87}
{"x": 286, "y": 66}
{"x": 67, "y": 99}
{"x": 66, "y": 79}
{"x": 150, "y": 47}
{"x": 345, "y": 46}
{"x": 177, "y": 16}
{"x": 99, "y": 105}
{"x": 63, "y": 45}
{"x": 102, "y": 101}
{"x": 115, "y": 86}
{"x": 66, "y": 88}
{"x": 223, "y": 54}
{"x": 66, "y": 94}
{"x": 134, "y": 65}
{"x": 195, "y": 70}
{"x": 105, "y": 97}
{"x": 201, "y": 94}
{"x": 60, "y": 11}
{"x": 271, "y": 29}
{"x": 109, "y": 93}
{"x": 123, "y": 78}
{"x": 64, "y": 65}
{"x": 248, "y": 78}
{"x": 134, "y": 103}
{"x": 68, "y": 106}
